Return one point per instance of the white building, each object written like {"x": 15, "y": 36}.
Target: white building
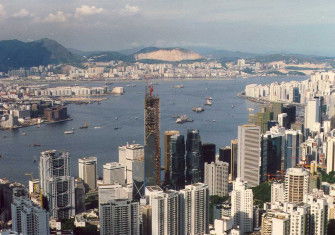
{"x": 167, "y": 217}
{"x": 277, "y": 192}
{"x": 249, "y": 154}
{"x": 216, "y": 177}
{"x": 119, "y": 216}
{"x": 87, "y": 168}
{"x": 318, "y": 211}
{"x": 56, "y": 184}
{"x": 313, "y": 114}
{"x": 296, "y": 185}
{"x": 330, "y": 154}
{"x": 114, "y": 173}
{"x": 28, "y": 218}
{"x": 109, "y": 192}
{"x": 242, "y": 206}
{"x": 196, "y": 207}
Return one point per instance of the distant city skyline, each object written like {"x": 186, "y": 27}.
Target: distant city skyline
{"x": 257, "y": 26}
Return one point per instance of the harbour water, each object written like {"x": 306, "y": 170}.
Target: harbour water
{"x": 119, "y": 120}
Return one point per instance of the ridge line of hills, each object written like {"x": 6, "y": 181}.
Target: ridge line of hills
{"x": 15, "y": 54}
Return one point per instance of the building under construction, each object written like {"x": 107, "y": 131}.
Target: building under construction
{"x": 152, "y": 163}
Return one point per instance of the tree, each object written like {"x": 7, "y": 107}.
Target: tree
{"x": 262, "y": 193}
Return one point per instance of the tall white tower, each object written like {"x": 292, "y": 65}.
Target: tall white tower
{"x": 87, "y": 168}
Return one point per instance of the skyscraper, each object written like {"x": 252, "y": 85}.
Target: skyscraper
{"x": 119, "y": 216}
{"x": 216, "y": 177}
{"x": 208, "y": 152}
{"x": 330, "y": 154}
{"x": 242, "y": 206}
{"x": 225, "y": 155}
{"x": 196, "y": 208}
{"x": 293, "y": 139}
{"x": 167, "y": 153}
{"x": 249, "y": 154}
{"x": 57, "y": 185}
{"x": 132, "y": 156}
{"x": 313, "y": 114}
{"x": 177, "y": 166}
{"x": 152, "y": 162}
{"x": 233, "y": 159}
{"x": 28, "y": 218}
{"x": 194, "y": 162}
{"x": 114, "y": 173}
{"x": 167, "y": 214}
{"x": 87, "y": 167}
{"x": 296, "y": 185}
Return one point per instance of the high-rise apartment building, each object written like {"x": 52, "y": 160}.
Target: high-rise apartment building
{"x": 119, "y": 216}
{"x": 296, "y": 185}
{"x": 319, "y": 214}
{"x": 87, "y": 168}
{"x": 277, "y": 192}
{"x": 249, "y": 154}
{"x": 57, "y": 185}
{"x": 194, "y": 161}
{"x": 152, "y": 156}
{"x": 132, "y": 156}
{"x": 196, "y": 208}
{"x": 216, "y": 177}
{"x": 167, "y": 154}
{"x": 177, "y": 166}
{"x": 28, "y": 218}
{"x": 330, "y": 154}
{"x": 114, "y": 173}
{"x": 167, "y": 214}
{"x": 242, "y": 205}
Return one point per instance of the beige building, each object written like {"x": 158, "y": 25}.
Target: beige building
{"x": 87, "y": 167}
{"x": 296, "y": 185}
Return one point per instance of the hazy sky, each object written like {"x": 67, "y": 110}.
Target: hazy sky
{"x": 302, "y": 26}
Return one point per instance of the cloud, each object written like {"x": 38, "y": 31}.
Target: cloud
{"x": 23, "y": 13}
{"x": 58, "y": 17}
{"x": 86, "y": 10}
{"x": 2, "y": 11}
{"x": 130, "y": 10}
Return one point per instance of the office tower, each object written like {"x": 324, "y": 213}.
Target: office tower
{"x": 277, "y": 192}
{"x": 28, "y": 218}
{"x": 208, "y": 152}
{"x": 318, "y": 214}
{"x": 291, "y": 111}
{"x": 167, "y": 154}
{"x": 79, "y": 192}
{"x": 242, "y": 205}
{"x": 167, "y": 215}
{"x": 275, "y": 222}
{"x": 216, "y": 177}
{"x": 152, "y": 158}
{"x": 119, "y": 216}
{"x": 293, "y": 139}
{"x": 146, "y": 219}
{"x": 249, "y": 154}
{"x": 194, "y": 162}
{"x": 109, "y": 192}
{"x": 177, "y": 166}
{"x": 261, "y": 119}
{"x": 296, "y": 185}
{"x": 87, "y": 167}
{"x": 330, "y": 154}
{"x": 57, "y": 185}
{"x": 233, "y": 159}
{"x": 114, "y": 173}
{"x": 225, "y": 155}
{"x": 132, "y": 156}
{"x": 313, "y": 114}
{"x": 196, "y": 208}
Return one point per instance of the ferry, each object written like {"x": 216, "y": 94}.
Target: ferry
{"x": 179, "y": 86}
{"x": 182, "y": 119}
{"x": 68, "y": 132}
{"x": 84, "y": 126}
{"x": 209, "y": 101}
{"x": 97, "y": 127}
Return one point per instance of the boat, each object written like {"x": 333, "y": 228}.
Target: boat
{"x": 35, "y": 145}
{"x": 84, "y": 126}
{"x": 209, "y": 101}
{"x": 23, "y": 133}
{"x": 116, "y": 128}
{"x": 232, "y": 106}
{"x": 198, "y": 109}
{"x": 97, "y": 127}
{"x": 116, "y": 118}
{"x": 68, "y": 132}
{"x": 183, "y": 118}
{"x": 178, "y": 86}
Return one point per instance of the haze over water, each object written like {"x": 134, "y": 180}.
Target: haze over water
{"x": 217, "y": 124}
